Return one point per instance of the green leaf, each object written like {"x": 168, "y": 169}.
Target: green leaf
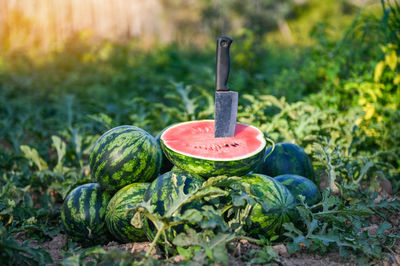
{"x": 209, "y": 253}
{"x": 240, "y": 199}
{"x": 61, "y": 149}
{"x": 189, "y": 238}
{"x": 186, "y": 252}
{"x": 378, "y": 70}
{"x": 382, "y": 228}
{"x": 213, "y": 246}
{"x": 71, "y": 261}
{"x": 391, "y": 60}
{"x": 266, "y": 255}
{"x": 103, "y": 119}
{"x": 33, "y": 155}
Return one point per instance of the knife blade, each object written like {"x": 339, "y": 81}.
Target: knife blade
{"x": 226, "y": 101}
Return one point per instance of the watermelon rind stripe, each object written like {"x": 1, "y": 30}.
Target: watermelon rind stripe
{"x": 111, "y": 134}
{"x": 108, "y": 154}
{"x": 124, "y": 155}
{"x": 82, "y": 214}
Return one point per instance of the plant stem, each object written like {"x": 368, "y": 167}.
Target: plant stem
{"x": 162, "y": 229}
{"x": 250, "y": 239}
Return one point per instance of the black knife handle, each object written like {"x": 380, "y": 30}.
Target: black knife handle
{"x": 223, "y": 63}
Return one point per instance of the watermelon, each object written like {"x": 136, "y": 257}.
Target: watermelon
{"x": 118, "y": 215}
{"x": 124, "y": 155}
{"x": 192, "y": 147}
{"x": 83, "y": 214}
{"x": 299, "y": 185}
{"x": 286, "y": 158}
{"x": 166, "y": 165}
{"x": 162, "y": 193}
{"x": 275, "y": 205}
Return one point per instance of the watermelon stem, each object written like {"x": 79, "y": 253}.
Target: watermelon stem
{"x": 240, "y": 216}
{"x": 226, "y": 208}
{"x": 316, "y": 205}
{"x": 159, "y": 232}
{"x": 246, "y": 213}
{"x": 273, "y": 147}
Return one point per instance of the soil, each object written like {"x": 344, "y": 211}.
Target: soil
{"x": 241, "y": 249}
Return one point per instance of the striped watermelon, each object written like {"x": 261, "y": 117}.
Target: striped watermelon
{"x": 275, "y": 206}
{"x": 124, "y": 155}
{"x": 118, "y": 216}
{"x": 287, "y": 158}
{"x": 83, "y": 214}
{"x": 299, "y": 185}
{"x": 163, "y": 191}
{"x": 192, "y": 147}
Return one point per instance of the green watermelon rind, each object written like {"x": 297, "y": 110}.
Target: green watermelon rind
{"x": 124, "y": 155}
{"x": 118, "y": 215}
{"x": 214, "y": 167}
{"x": 299, "y": 185}
{"x": 83, "y": 214}
{"x": 279, "y": 206}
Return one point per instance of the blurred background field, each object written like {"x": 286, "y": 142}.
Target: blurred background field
{"x": 49, "y": 23}
{"x": 322, "y": 74}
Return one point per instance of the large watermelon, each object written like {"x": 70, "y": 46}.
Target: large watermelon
{"x": 192, "y": 147}
{"x": 124, "y": 155}
{"x": 118, "y": 215}
{"x": 275, "y": 206}
{"x": 299, "y": 185}
{"x": 83, "y": 214}
{"x": 286, "y": 158}
{"x": 164, "y": 191}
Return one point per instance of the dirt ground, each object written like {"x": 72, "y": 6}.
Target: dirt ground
{"x": 301, "y": 258}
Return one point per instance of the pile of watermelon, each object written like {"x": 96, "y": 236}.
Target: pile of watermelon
{"x": 130, "y": 167}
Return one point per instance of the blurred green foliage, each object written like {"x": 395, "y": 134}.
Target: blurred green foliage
{"x": 339, "y": 99}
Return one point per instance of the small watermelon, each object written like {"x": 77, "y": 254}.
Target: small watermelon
{"x": 166, "y": 164}
{"x": 162, "y": 193}
{"x": 275, "y": 206}
{"x": 286, "y": 158}
{"x": 83, "y": 214}
{"x": 299, "y": 185}
{"x": 118, "y": 215}
{"x": 124, "y": 155}
{"x": 192, "y": 147}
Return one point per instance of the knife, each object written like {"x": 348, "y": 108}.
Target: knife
{"x": 226, "y": 101}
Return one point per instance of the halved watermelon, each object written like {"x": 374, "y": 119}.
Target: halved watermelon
{"x": 192, "y": 147}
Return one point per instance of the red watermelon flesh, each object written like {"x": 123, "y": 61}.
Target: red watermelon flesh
{"x": 196, "y": 139}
